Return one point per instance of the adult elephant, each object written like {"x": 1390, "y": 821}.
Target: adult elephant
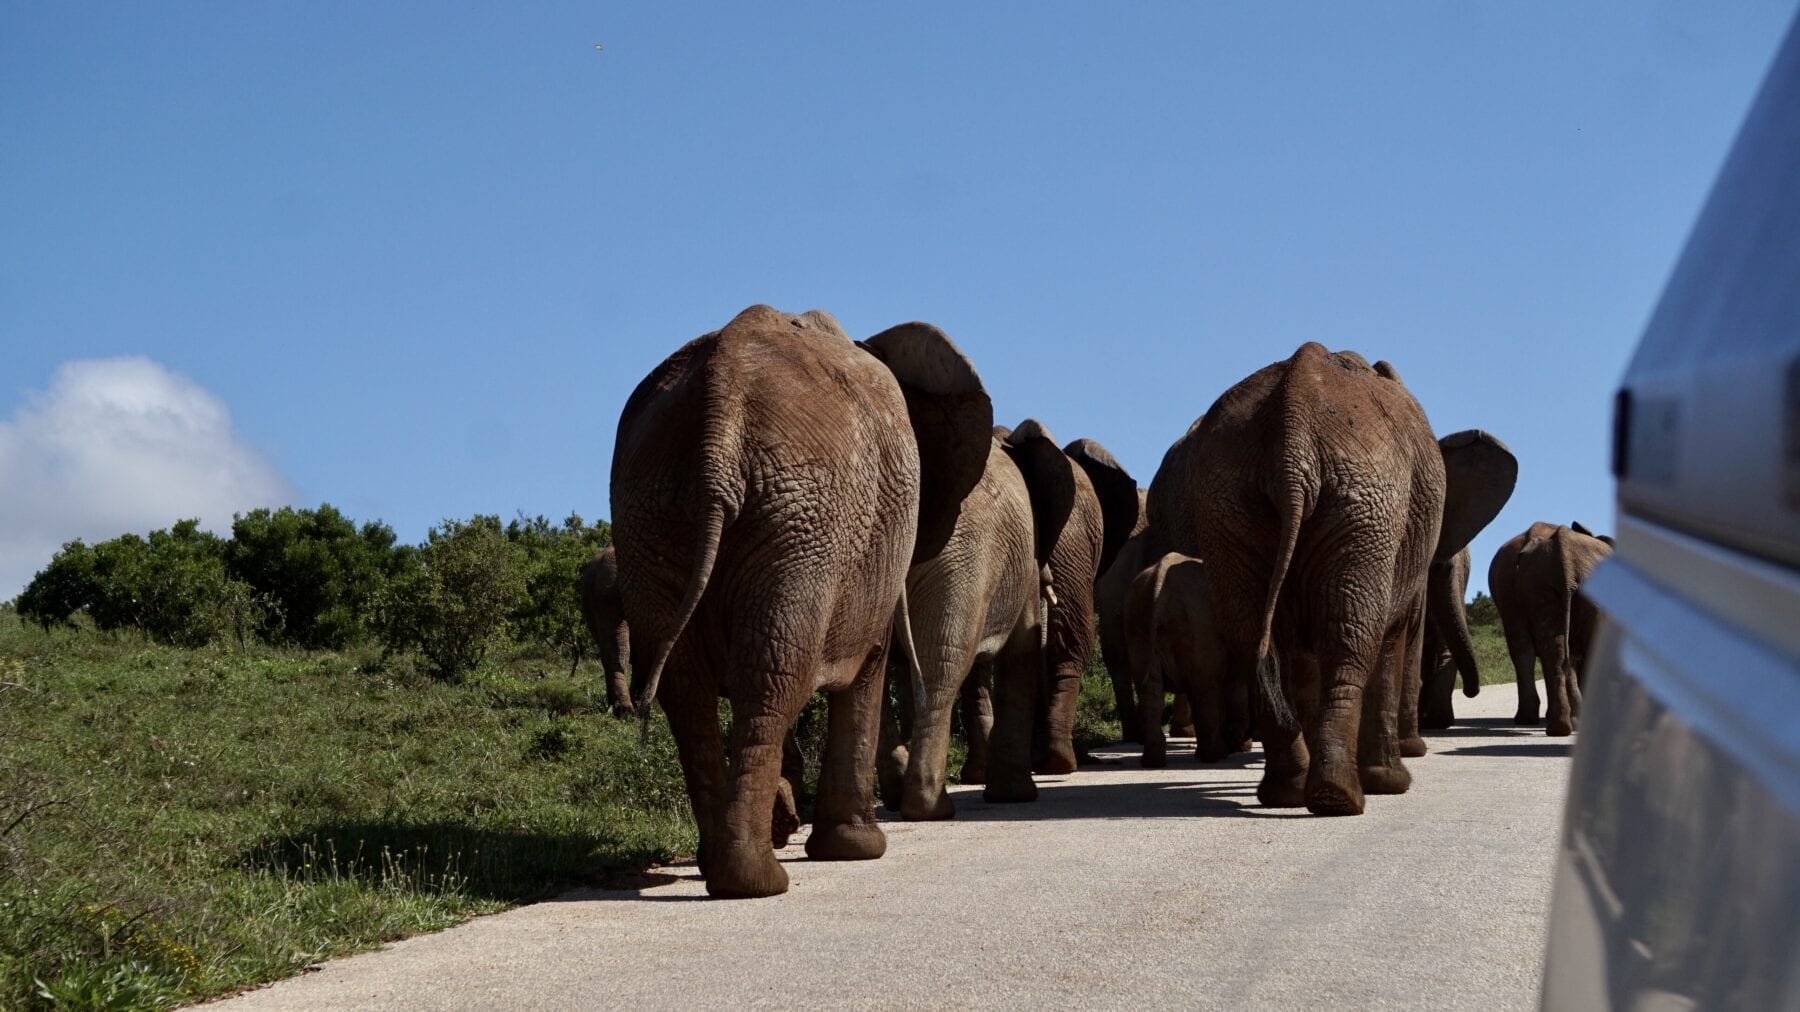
{"x": 972, "y": 611}
{"x": 604, "y": 612}
{"x": 1448, "y": 645}
{"x": 1176, "y": 645}
{"x": 1084, "y": 506}
{"x": 1534, "y": 579}
{"x": 771, "y": 483}
{"x": 1319, "y": 500}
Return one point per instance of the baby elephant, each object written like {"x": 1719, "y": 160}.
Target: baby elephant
{"x": 1175, "y": 646}
{"x": 605, "y": 617}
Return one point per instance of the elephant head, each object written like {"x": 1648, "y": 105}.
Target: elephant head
{"x": 951, "y": 417}
{"x": 1479, "y": 474}
{"x": 1049, "y": 476}
{"x": 1117, "y": 491}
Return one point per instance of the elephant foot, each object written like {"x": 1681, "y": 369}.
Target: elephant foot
{"x": 1392, "y": 779}
{"x": 745, "y": 874}
{"x": 1282, "y": 791}
{"x": 1213, "y": 753}
{"x": 890, "y": 778}
{"x": 1413, "y": 747}
{"x": 916, "y": 809}
{"x": 1527, "y": 718}
{"x": 786, "y": 817}
{"x": 1154, "y": 758}
{"x": 1560, "y": 727}
{"x": 1058, "y": 759}
{"x": 1010, "y": 792}
{"x": 972, "y": 773}
{"x": 1435, "y": 721}
{"x": 846, "y": 841}
{"x": 1334, "y": 789}
{"x": 624, "y": 711}
{"x": 1181, "y": 731}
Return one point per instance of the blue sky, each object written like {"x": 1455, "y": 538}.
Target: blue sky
{"x": 411, "y": 260}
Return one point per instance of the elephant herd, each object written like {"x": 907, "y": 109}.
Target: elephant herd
{"x": 789, "y": 503}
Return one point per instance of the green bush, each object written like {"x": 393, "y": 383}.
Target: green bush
{"x": 318, "y": 572}
{"x": 1481, "y": 610}
{"x": 551, "y": 556}
{"x": 457, "y": 600}
{"x": 171, "y": 586}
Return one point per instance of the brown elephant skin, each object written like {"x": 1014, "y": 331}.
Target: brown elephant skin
{"x": 771, "y": 483}
{"x": 604, "y": 612}
{"x": 1076, "y": 525}
{"x": 1448, "y": 645}
{"x": 1535, "y": 579}
{"x": 1319, "y": 499}
{"x": 1175, "y": 645}
{"x": 973, "y": 611}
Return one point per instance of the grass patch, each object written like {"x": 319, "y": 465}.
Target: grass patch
{"x": 198, "y": 821}
{"x": 1490, "y": 655}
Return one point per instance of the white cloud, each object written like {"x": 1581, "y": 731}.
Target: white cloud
{"x": 117, "y": 445}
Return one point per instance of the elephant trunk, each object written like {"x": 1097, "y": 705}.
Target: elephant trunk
{"x": 1450, "y": 618}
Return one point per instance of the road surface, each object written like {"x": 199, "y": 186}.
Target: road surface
{"x": 1119, "y": 888}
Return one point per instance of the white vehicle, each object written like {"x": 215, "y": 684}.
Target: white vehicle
{"x": 1678, "y": 877}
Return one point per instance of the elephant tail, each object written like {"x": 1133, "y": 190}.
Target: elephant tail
{"x": 903, "y": 626}
{"x": 713, "y": 526}
{"x": 1047, "y": 584}
{"x": 1268, "y": 665}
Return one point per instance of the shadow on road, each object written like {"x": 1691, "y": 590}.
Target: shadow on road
{"x": 1540, "y": 747}
{"x": 1481, "y": 727}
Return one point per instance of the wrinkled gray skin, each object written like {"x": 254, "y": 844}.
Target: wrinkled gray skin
{"x": 771, "y": 484}
{"x": 1448, "y": 646}
{"x": 1535, "y": 579}
{"x": 1175, "y": 645}
{"x": 1084, "y": 506}
{"x": 1111, "y": 588}
{"x": 975, "y": 613}
{"x": 604, "y": 613}
{"x": 1319, "y": 500}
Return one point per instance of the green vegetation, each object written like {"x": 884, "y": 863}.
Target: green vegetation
{"x": 185, "y": 822}
{"x": 222, "y": 760}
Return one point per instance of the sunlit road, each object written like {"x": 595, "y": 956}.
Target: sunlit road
{"x": 1119, "y": 888}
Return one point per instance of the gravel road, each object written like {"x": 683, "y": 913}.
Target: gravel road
{"x": 1119, "y": 888}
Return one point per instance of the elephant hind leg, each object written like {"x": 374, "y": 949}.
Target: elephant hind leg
{"x": 844, "y": 826}
{"x": 978, "y": 722}
{"x": 1016, "y": 674}
{"x": 1520, "y": 650}
{"x": 1553, "y": 651}
{"x": 693, "y": 716}
{"x": 1380, "y": 769}
{"x": 1286, "y": 750}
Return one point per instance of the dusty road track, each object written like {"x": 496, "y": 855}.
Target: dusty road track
{"x": 1119, "y": 888}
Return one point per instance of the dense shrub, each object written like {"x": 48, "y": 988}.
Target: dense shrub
{"x": 551, "y": 556}
{"x": 1481, "y": 611}
{"x": 319, "y": 573}
{"x": 172, "y": 586}
{"x": 457, "y": 599}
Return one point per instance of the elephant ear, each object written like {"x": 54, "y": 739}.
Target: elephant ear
{"x": 1118, "y": 494}
{"x": 1479, "y": 474}
{"x": 1049, "y": 477}
{"x": 952, "y": 420}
